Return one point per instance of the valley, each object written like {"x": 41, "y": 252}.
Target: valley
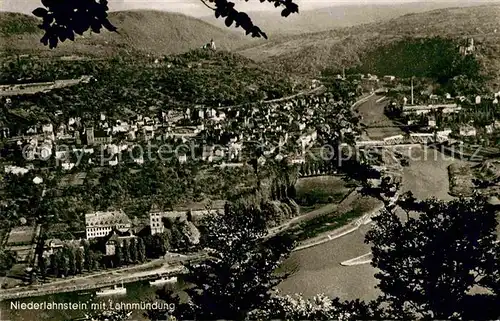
{"x": 310, "y": 176}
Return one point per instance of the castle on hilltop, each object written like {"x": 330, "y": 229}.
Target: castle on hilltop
{"x": 469, "y": 48}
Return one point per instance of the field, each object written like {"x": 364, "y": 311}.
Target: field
{"x": 320, "y": 190}
{"x": 345, "y": 213}
{"x": 21, "y": 236}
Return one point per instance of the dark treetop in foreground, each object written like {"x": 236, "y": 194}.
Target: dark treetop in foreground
{"x": 428, "y": 265}
{"x": 62, "y": 19}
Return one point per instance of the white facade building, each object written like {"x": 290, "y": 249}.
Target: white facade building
{"x": 100, "y": 224}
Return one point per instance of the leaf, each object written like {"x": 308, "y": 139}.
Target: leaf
{"x": 48, "y": 19}
{"x": 293, "y": 7}
{"x": 53, "y": 41}
{"x": 96, "y": 26}
{"x": 62, "y": 35}
{"x": 40, "y": 12}
{"x": 48, "y": 3}
{"x": 70, "y": 35}
{"x": 45, "y": 39}
{"x": 285, "y": 12}
{"x": 107, "y": 24}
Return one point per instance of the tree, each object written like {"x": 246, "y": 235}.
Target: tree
{"x": 321, "y": 307}
{"x": 70, "y": 254}
{"x": 54, "y": 266}
{"x": 126, "y": 252}
{"x": 133, "y": 251}
{"x": 110, "y": 315}
{"x": 118, "y": 259}
{"x": 79, "y": 259}
{"x": 87, "y": 253}
{"x": 178, "y": 239}
{"x": 239, "y": 275}
{"x": 42, "y": 266}
{"x": 63, "y": 263}
{"x": 61, "y": 20}
{"x": 7, "y": 260}
{"x": 158, "y": 246}
{"x": 428, "y": 265}
{"x": 95, "y": 259}
{"x": 60, "y": 265}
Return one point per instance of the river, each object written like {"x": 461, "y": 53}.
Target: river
{"x": 317, "y": 269}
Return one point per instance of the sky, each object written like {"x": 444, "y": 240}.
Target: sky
{"x": 197, "y": 9}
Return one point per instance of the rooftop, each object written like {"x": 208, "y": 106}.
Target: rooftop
{"x": 106, "y": 218}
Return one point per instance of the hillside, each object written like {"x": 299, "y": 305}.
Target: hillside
{"x": 126, "y": 86}
{"x": 153, "y": 32}
{"x": 311, "y": 53}
{"x": 337, "y": 16}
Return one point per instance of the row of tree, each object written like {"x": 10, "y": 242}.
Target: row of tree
{"x": 73, "y": 259}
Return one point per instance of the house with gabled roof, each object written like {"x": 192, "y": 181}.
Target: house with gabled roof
{"x": 100, "y": 224}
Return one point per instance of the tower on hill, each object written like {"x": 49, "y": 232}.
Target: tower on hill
{"x": 210, "y": 45}
{"x": 468, "y": 48}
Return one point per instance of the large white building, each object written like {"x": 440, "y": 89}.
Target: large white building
{"x": 100, "y": 224}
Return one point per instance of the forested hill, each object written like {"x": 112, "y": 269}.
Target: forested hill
{"x": 311, "y": 53}
{"x": 339, "y": 16}
{"x": 146, "y": 31}
{"x": 199, "y": 77}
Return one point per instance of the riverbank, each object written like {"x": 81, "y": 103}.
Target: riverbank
{"x": 341, "y": 231}
{"x": 173, "y": 265}
{"x": 147, "y": 271}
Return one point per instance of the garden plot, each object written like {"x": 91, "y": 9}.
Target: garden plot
{"x": 321, "y": 190}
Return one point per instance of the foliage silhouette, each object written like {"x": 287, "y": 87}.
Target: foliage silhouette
{"x": 428, "y": 265}
{"x": 62, "y": 19}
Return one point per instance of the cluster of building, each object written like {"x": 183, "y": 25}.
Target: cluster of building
{"x": 225, "y": 134}
{"x": 112, "y": 228}
{"x": 424, "y": 115}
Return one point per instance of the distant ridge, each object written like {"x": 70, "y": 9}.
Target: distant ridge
{"x": 340, "y": 16}
{"x": 313, "y": 52}
{"x": 144, "y": 31}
